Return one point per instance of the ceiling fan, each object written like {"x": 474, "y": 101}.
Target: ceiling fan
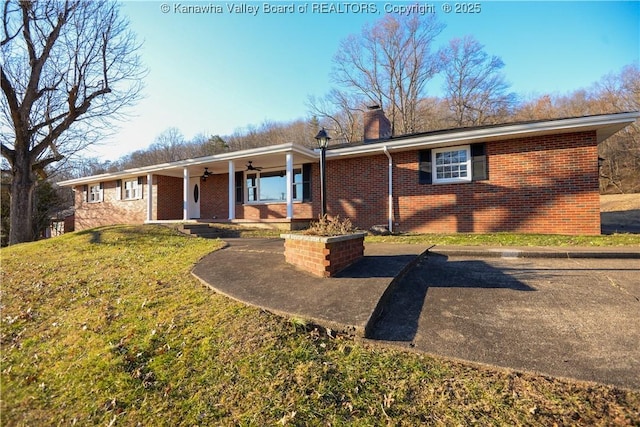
{"x": 250, "y": 166}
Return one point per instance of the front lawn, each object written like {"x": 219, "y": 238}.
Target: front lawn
{"x": 107, "y": 327}
{"x": 511, "y": 239}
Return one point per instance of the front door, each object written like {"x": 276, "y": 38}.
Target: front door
{"x": 194, "y": 198}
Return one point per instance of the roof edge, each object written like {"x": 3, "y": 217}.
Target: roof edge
{"x": 605, "y": 124}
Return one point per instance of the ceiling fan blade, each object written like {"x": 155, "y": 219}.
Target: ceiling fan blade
{"x": 250, "y": 166}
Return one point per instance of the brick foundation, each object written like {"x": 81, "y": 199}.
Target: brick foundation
{"x": 323, "y": 256}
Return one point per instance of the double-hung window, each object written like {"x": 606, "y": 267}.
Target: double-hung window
{"x": 95, "y": 193}
{"x": 131, "y": 189}
{"x": 252, "y": 187}
{"x": 452, "y": 164}
{"x": 448, "y": 165}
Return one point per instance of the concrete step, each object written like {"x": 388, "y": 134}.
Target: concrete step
{"x": 209, "y": 234}
{"x": 201, "y": 230}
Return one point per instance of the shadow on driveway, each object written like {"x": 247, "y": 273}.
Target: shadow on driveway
{"x": 577, "y": 318}
{"x": 371, "y": 266}
{"x": 398, "y": 320}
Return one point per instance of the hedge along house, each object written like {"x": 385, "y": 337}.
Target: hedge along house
{"x": 533, "y": 177}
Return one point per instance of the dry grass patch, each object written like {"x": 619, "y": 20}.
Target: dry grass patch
{"x": 107, "y": 327}
{"x": 619, "y": 202}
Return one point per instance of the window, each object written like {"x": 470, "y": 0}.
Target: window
{"x": 252, "y": 187}
{"x": 271, "y": 186}
{"x": 131, "y": 189}
{"x": 451, "y": 165}
{"x": 95, "y": 193}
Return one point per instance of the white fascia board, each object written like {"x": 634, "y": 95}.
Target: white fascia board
{"x": 608, "y": 124}
{"x": 178, "y": 165}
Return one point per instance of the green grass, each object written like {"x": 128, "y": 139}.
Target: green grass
{"x": 107, "y": 327}
{"x": 511, "y": 239}
{"x": 463, "y": 239}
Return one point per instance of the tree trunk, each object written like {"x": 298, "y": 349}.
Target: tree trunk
{"x": 22, "y": 186}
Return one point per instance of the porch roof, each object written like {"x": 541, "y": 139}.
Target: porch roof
{"x": 267, "y": 157}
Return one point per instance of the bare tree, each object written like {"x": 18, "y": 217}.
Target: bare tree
{"x": 617, "y": 92}
{"x": 68, "y": 69}
{"x": 389, "y": 64}
{"x": 341, "y": 113}
{"x": 613, "y": 93}
{"x": 433, "y": 113}
{"x": 169, "y": 146}
{"x": 271, "y": 133}
{"x": 203, "y": 145}
{"x": 475, "y": 89}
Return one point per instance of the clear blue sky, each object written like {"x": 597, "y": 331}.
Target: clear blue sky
{"x": 214, "y": 73}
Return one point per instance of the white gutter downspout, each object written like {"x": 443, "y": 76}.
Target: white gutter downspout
{"x": 386, "y": 151}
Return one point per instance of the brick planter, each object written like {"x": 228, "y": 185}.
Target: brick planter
{"x": 323, "y": 256}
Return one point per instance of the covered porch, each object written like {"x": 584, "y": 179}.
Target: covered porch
{"x": 270, "y": 187}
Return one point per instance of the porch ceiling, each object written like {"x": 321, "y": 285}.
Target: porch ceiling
{"x": 265, "y": 160}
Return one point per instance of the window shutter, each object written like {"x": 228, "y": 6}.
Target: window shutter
{"x": 101, "y": 192}
{"x": 479, "y": 164}
{"x": 85, "y": 193}
{"x": 140, "y": 187}
{"x": 119, "y": 189}
{"x": 239, "y": 187}
{"x": 306, "y": 182}
{"x": 424, "y": 164}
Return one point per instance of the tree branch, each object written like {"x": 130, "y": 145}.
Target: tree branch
{"x": 8, "y": 153}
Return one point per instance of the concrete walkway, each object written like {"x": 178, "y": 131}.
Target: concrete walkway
{"x": 253, "y": 271}
{"x": 563, "y": 313}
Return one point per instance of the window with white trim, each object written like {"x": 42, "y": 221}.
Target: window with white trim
{"x": 452, "y": 164}
{"x": 271, "y": 186}
{"x": 252, "y": 187}
{"x": 95, "y": 193}
{"x": 131, "y": 189}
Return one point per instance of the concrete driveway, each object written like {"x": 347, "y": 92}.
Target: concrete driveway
{"x": 576, "y": 318}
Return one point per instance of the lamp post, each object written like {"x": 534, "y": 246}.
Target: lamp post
{"x": 323, "y": 141}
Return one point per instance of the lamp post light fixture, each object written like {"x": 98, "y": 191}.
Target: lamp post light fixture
{"x": 323, "y": 142}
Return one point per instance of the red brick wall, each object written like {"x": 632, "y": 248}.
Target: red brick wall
{"x": 168, "y": 198}
{"x": 274, "y": 211}
{"x": 543, "y": 184}
{"x": 323, "y": 259}
{"x": 110, "y": 210}
{"x": 357, "y": 188}
{"x": 214, "y": 197}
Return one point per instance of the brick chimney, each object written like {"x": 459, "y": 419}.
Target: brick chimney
{"x": 376, "y": 124}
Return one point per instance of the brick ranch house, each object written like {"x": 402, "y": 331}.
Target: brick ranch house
{"x": 530, "y": 177}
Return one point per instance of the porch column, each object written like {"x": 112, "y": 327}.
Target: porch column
{"x": 232, "y": 190}
{"x": 149, "y": 197}
{"x": 289, "y": 175}
{"x": 185, "y": 194}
